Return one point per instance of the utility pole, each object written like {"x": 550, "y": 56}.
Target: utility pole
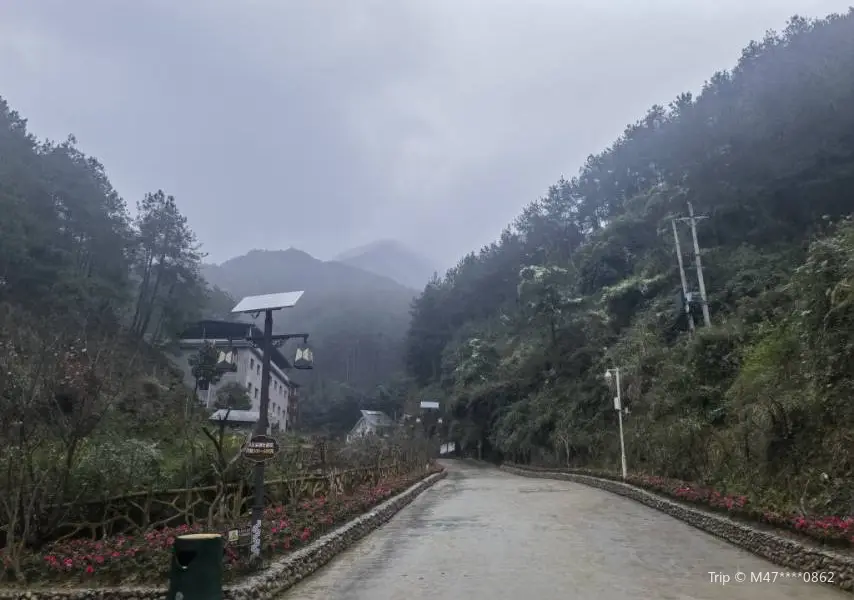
{"x": 707, "y": 320}
{"x": 685, "y": 301}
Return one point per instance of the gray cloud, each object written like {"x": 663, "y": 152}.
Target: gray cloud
{"x": 326, "y": 124}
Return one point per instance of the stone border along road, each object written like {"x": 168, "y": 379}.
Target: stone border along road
{"x": 778, "y": 549}
{"x": 274, "y": 580}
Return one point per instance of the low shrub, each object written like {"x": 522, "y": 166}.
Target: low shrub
{"x": 145, "y": 560}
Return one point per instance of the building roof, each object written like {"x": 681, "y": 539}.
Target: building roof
{"x": 376, "y": 418}
{"x": 210, "y": 329}
{"x": 235, "y": 416}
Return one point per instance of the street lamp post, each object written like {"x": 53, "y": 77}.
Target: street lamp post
{"x": 256, "y": 305}
{"x": 618, "y": 406}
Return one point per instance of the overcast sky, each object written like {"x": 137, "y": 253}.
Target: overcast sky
{"x": 325, "y": 124}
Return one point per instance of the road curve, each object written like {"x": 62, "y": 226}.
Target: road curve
{"x": 484, "y": 534}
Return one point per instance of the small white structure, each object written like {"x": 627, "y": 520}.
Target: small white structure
{"x": 429, "y": 405}
{"x": 373, "y": 422}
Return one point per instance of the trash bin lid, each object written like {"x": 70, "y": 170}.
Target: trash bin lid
{"x": 199, "y": 536}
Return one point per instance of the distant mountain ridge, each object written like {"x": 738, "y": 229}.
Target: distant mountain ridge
{"x": 266, "y": 271}
{"x": 356, "y": 319}
{"x": 392, "y": 259}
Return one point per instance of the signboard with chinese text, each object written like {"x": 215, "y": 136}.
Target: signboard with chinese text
{"x": 260, "y": 448}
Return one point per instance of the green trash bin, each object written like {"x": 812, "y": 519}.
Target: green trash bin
{"x": 196, "y": 572}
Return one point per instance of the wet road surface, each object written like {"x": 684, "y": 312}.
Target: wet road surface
{"x": 484, "y": 534}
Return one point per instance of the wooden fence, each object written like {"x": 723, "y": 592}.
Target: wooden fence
{"x": 138, "y": 512}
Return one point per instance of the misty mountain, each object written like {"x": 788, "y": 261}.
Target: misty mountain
{"x": 391, "y": 259}
{"x": 356, "y": 319}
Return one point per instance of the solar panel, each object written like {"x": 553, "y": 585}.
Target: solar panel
{"x": 251, "y": 304}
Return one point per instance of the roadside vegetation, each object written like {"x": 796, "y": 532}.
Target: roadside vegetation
{"x": 314, "y": 499}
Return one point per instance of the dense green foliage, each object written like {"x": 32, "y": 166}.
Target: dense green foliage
{"x": 69, "y": 247}
{"x": 517, "y": 337}
{"x": 88, "y": 405}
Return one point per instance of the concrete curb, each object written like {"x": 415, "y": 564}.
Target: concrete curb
{"x": 278, "y": 577}
{"x": 778, "y": 549}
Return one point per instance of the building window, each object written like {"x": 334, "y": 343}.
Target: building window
{"x": 251, "y": 363}
{"x": 256, "y": 392}
{"x": 249, "y": 387}
{"x": 258, "y": 369}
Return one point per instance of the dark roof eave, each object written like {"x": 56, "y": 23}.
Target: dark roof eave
{"x": 233, "y": 330}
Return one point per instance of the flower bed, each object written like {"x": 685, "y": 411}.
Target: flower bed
{"x": 831, "y": 530}
{"x": 145, "y": 560}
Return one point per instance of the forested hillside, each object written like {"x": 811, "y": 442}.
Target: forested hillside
{"x": 69, "y": 248}
{"x": 516, "y": 338}
{"x": 87, "y": 402}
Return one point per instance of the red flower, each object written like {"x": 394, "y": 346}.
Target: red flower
{"x": 82, "y": 557}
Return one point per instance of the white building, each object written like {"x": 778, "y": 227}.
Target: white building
{"x": 231, "y": 338}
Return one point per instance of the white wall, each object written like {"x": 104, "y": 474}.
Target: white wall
{"x": 248, "y": 375}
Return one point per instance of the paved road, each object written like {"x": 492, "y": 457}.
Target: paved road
{"x": 484, "y": 534}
